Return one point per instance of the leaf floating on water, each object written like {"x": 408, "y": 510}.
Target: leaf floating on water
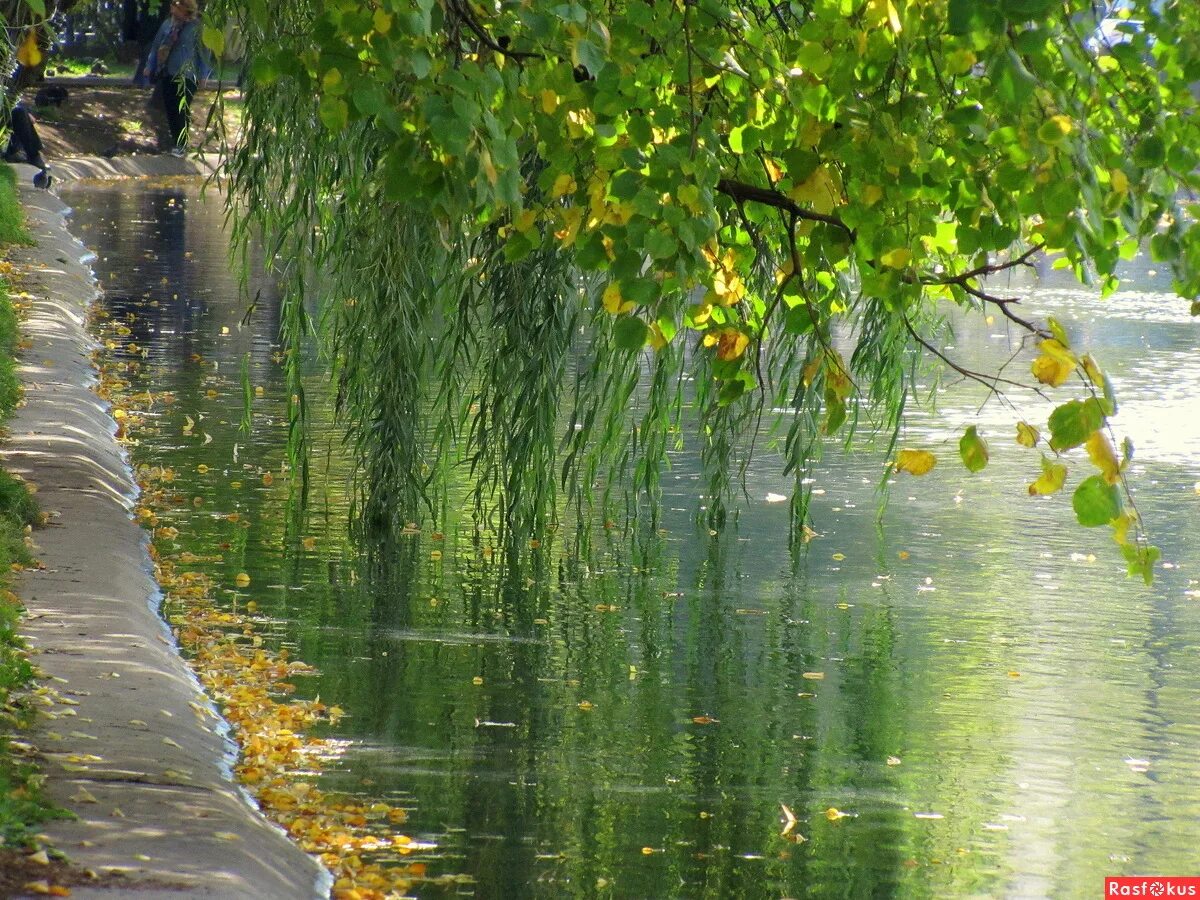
{"x": 915, "y": 462}
{"x": 586, "y": 705}
{"x": 40, "y": 857}
{"x": 814, "y": 676}
{"x": 84, "y": 796}
{"x": 776, "y": 498}
{"x": 705, "y": 720}
{"x": 171, "y": 743}
{"x": 903, "y": 554}
{"x": 833, "y": 814}
{"x": 788, "y": 821}
{"x": 268, "y": 479}
{"x": 242, "y": 580}
{"x": 839, "y": 556}
{"x": 190, "y": 423}
{"x": 309, "y": 543}
{"x": 893, "y": 760}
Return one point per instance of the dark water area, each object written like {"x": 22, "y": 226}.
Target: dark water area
{"x": 969, "y": 701}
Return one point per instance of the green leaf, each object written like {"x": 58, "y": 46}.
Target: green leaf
{"x": 798, "y": 320}
{"x": 1141, "y": 561}
{"x": 973, "y": 450}
{"x": 1150, "y": 152}
{"x": 1074, "y": 422}
{"x": 213, "y": 38}
{"x": 630, "y": 333}
{"x": 334, "y": 113}
{"x": 1096, "y": 502}
{"x": 730, "y": 391}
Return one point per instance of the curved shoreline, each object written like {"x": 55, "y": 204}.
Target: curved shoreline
{"x": 130, "y": 744}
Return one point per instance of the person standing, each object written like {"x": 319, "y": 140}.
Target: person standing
{"x": 177, "y": 61}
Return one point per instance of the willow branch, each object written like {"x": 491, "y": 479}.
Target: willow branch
{"x": 988, "y": 381}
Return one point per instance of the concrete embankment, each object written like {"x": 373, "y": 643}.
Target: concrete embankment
{"x": 129, "y": 742}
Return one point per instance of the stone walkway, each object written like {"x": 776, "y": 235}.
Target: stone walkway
{"x": 131, "y": 745}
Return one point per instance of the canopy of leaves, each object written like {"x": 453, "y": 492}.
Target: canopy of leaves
{"x": 486, "y": 197}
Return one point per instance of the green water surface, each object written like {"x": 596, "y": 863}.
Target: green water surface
{"x": 971, "y": 701}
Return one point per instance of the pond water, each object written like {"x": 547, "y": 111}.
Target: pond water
{"x": 969, "y": 701}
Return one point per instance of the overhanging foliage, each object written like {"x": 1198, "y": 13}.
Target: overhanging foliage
{"x": 774, "y": 196}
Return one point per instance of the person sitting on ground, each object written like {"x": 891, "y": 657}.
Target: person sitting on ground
{"x": 178, "y": 60}
{"x": 23, "y": 141}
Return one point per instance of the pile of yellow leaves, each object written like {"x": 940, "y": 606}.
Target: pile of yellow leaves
{"x": 354, "y": 839}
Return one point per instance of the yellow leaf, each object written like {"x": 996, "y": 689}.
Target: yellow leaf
{"x": 833, "y": 814}
{"x": 41, "y": 858}
{"x": 242, "y": 579}
{"x": 731, "y": 344}
{"x": 489, "y": 167}
{"x": 896, "y": 259}
{"x": 1055, "y": 365}
{"x": 563, "y": 184}
{"x": 549, "y": 102}
{"x": 1054, "y": 475}
{"x": 30, "y": 54}
{"x": 1027, "y": 435}
{"x": 1103, "y": 457}
{"x": 614, "y": 302}
{"x": 814, "y": 676}
{"x": 571, "y": 220}
{"x": 915, "y": 462}
{"x": 1092, "y": 369}
{"x": 525, "y": 221}
{"x": 382, "y": 21}
{"x": 1121, "y": 525}
{"x": 1119, "y": 181}
{"x": 822, "y": 191}
{"x": 871, "y": 194}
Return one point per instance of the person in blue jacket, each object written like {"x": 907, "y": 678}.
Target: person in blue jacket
{"x": 178, "y": 61}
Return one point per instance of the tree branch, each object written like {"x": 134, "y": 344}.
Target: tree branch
{"x": 987, "y": 381}
{"x": 464, "y": 15}
{"x": 743, "y": 192}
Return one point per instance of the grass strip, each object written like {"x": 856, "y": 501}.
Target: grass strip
{"x": 21, "y": 801}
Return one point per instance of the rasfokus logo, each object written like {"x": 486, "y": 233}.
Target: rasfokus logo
{"x": 1151, "y": 886}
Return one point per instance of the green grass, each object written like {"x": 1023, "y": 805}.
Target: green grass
{"x": 12, "y": 231}
{"x": 21, "y": 803}
{"x": 79, "y": 68}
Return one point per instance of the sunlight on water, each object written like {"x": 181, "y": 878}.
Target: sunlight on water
{"x": 973, "y": 701}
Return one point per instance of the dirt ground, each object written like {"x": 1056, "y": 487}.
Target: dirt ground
{"x": 110, "y": 117}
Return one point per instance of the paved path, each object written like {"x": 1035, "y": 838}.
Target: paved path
{"x": 135, "y": 749}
